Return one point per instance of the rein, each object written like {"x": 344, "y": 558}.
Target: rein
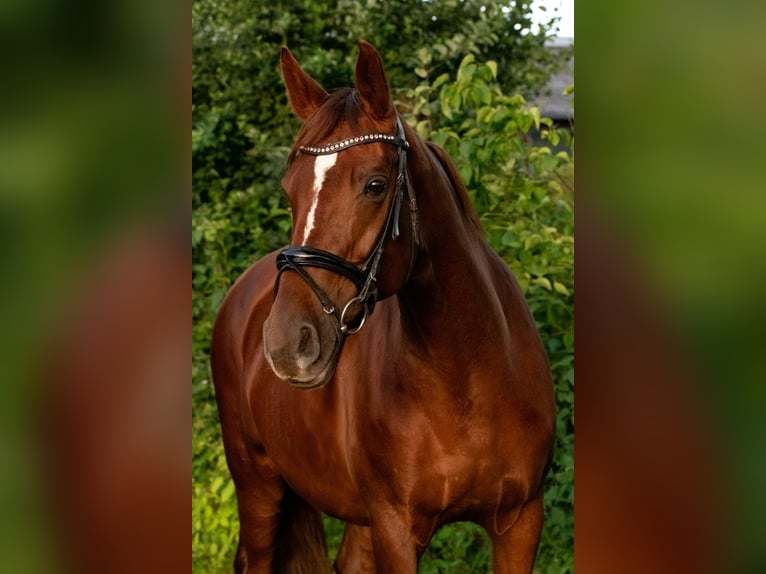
{"x": 365, "y": 278}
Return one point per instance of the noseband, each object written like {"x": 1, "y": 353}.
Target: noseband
{"x": 365, "y": 278}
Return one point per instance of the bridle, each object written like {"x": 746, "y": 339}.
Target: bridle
{"x": 365, "y": 278}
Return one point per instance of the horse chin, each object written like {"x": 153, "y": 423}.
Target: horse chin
{"x": 317, "y": 382}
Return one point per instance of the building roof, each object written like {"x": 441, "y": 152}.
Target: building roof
{"x": 552, "y": 101}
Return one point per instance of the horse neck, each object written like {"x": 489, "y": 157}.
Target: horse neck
{"x": 450, "y": 298}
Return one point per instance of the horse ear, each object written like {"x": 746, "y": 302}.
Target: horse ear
{"x": 303, "y": 92}
{"x": 371, "y": 83}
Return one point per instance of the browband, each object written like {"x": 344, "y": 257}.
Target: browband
{"x": 353, "y": 141}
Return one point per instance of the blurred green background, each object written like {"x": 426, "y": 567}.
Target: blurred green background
{"x": 670, "y": 97}
{"x": 93, "y": 110}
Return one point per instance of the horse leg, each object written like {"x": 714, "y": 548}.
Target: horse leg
{"x": 259, "y": 507}
{"x": 356, "y": 553}
{"x": 514, "y": 551}
{"x": 398, "y": 541}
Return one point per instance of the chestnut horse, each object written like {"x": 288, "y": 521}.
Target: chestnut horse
{"x": 438, "y": 407}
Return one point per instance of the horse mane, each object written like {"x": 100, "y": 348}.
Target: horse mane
{"x": 461, "y": 192}
{"x": 341, "y": 104}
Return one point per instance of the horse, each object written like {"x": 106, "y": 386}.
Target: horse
{"x": 385, "y": 368}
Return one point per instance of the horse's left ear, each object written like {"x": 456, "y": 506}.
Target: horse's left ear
{"x": 371, "y": 83}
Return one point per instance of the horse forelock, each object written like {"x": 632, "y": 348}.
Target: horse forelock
{"x": 341, "y": 106}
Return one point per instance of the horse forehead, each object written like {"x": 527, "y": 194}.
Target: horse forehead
{"x": 310, "y": 173}
{"x": 343, "y": 166}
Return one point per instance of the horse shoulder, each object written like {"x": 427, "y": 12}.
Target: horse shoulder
{"x": 528, "y": 373}
{"x": 236, "y": 342}
{"x": 242, "y": 311}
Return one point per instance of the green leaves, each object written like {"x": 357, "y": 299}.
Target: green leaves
{"x": 492, "y": 65}
{"x": 461, "y": 548}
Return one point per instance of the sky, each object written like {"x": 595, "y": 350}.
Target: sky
{"x": 566, "y": 11}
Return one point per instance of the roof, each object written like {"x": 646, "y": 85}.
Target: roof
{"x": 552, "y": 101}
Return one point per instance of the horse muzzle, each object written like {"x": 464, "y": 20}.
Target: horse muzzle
{"x": 302, "y": 353}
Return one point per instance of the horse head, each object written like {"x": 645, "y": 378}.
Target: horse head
{"x": 346, "y": 181}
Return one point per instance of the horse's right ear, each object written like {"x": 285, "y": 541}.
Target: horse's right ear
{"x": 303, "y": 92}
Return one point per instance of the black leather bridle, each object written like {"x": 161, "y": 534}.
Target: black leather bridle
{"x": 365, "y": 278}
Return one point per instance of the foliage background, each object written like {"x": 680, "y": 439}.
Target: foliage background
{"x": 460, "y": 72}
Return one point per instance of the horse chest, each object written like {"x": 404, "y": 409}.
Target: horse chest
{"x": 438, "y": 458}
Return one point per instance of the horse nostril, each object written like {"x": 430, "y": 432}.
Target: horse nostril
{"x": 303, "y": 347}
{"x": 308, "y": 346}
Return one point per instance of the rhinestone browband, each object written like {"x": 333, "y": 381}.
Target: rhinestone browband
{"x": 350, "y": 142}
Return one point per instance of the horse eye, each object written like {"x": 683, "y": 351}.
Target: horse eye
{"x": 375, "y": 187}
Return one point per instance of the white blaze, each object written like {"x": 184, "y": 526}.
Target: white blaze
{"x": 322, "y": 165}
